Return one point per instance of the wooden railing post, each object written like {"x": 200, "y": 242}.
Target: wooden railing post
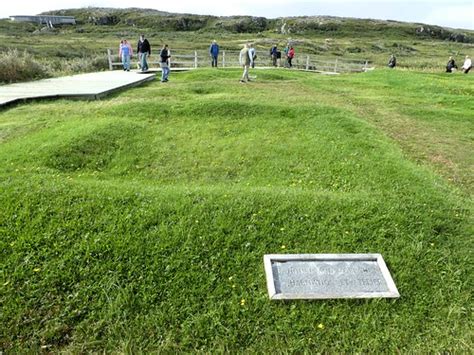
{"x": 223, "y": 59}
{"x": 307, "y": 62}
{"x": 109, "y": 57}
{"x": 335, "y": 66}
{"x": 195, "y": 59}
{"x": 365, "y": 65}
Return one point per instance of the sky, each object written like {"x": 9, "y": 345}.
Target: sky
{"x": 449, "y": 13}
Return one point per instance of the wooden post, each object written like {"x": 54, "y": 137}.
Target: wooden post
{"x": 195, "y": 59}
{"x": 109, "y": 56}
{"x": 335, "y": 66}
{"x": 365, "y": 65}
{"x": 307, "y": 62}
{"x": 223, "y": 59}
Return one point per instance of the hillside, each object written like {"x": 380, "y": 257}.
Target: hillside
{"x": 82, "y": 48}
{"x": 329, "y": 25}
{"x": 138, "y": 223}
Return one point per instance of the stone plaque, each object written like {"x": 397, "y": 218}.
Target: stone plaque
{"x": 320, "y": 276}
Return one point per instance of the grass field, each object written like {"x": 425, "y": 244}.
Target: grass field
{"x": 139, "y": 222}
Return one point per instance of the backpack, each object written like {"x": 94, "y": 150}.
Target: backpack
{"x": 164, "y": 55}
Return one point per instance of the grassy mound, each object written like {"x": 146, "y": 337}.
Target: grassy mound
{"x": 140, "y": 222}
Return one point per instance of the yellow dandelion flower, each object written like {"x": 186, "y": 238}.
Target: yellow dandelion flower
{"x": 242, "y": 302}
{"x": 283, "y": 246}
{"x": 37, "y": 269}
{"x": 321, "y": 326}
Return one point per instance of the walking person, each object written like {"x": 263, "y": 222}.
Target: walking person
{"x": 214, "y": 53}
{"x": 165, "y": 63}
{"x": 291, "y": 55}
{"x": 125, "y": 54}
{"x": 467, "y": 65}
{"x": 274, "y": 55}
{"x": 245, "y": 61}
{"x": 143, "y": 50}
{"x": 286, "y": 50}
{"x": 252, "y": 54}
{"x": 451, "y": 65}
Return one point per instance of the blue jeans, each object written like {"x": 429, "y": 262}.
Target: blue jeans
{"x": 165, "y": 71}
{"x": 143, "y": 62}
{"x": 126, "y": 62}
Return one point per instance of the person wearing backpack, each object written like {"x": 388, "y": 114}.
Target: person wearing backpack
{"x": 274, "y": 55}
{"x": 245, "y": 60}
{"x": 165, "y": 63}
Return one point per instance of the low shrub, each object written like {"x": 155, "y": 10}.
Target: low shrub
{"x": 83, "y": 65}
{"x": 20, "y": 66}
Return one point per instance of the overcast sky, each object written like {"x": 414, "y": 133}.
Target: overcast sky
{"x": 455, "y": 13}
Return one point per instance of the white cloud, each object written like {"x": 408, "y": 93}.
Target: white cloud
{"x": 456, "y": 16}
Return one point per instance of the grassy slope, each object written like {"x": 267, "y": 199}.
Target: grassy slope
{"x": 140, "y": 221}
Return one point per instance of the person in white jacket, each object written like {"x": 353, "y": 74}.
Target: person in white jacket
{"x": 245, "y": 60}
{"x": 467, "y": 65}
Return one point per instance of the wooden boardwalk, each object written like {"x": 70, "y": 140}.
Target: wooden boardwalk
{"x": 89, "y": 86}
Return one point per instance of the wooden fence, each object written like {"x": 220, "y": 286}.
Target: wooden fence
{"x": 181, "y": 58}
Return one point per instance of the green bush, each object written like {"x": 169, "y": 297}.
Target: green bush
{"x": 20, "y": 66}
{"x": 83, "y": 65}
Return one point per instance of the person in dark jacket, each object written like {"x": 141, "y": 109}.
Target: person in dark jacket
{"x": 165, "y": 63}
{"x": 274, "y": 55}
{"x": 451, "y": 65}
{"x": 392, "y": 62}
{"x": 214, "y": 53}
{"x": 143, "y": 50}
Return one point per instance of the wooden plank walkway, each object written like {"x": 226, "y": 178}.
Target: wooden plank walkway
{"x": 89, "y": 86}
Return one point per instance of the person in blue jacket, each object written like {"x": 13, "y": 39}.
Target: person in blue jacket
{"x": 274, "y": 55}
{"x": 214, "y": 53}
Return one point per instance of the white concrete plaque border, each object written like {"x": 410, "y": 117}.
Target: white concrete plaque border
{"x": 269, "y": 258}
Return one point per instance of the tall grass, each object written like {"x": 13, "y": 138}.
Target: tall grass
{"x": 84, "y": 64}
{"x": 20, "y": 66}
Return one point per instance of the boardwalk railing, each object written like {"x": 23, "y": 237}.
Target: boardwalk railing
{"x": 181, "y": 58}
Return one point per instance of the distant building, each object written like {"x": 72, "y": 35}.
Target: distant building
{"x": 46, "y": 19}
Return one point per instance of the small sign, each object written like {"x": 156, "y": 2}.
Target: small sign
{"x": 323, "y": 276}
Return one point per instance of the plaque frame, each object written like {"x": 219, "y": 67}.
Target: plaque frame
{"x": 269, "y": 259}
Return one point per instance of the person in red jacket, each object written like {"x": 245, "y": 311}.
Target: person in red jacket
{"x": 290, "y": 56}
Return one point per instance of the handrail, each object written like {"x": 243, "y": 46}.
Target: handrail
{"x": 230, "y": 58}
